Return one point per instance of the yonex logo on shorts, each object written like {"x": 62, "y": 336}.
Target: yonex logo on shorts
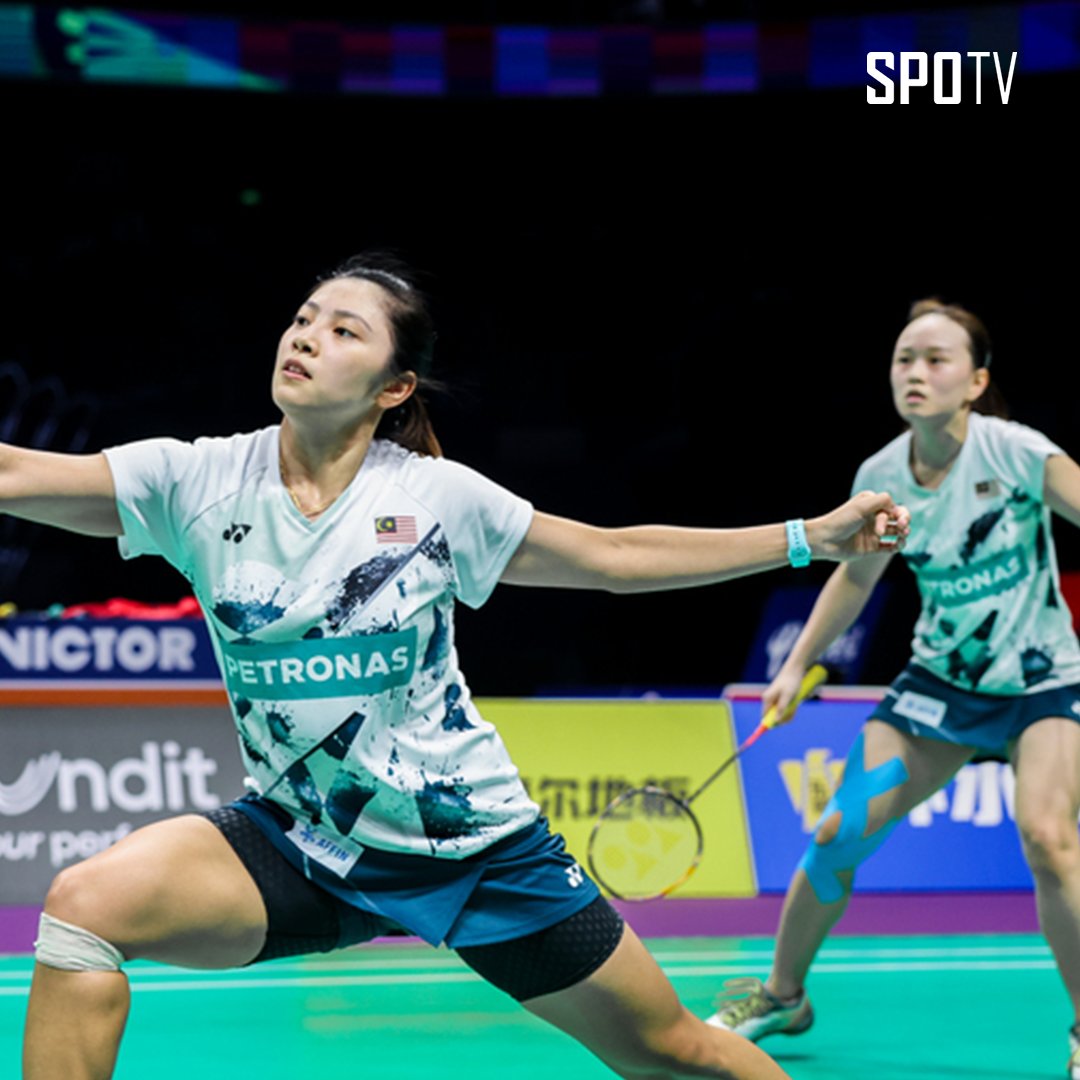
{"x": 575, "y": 876}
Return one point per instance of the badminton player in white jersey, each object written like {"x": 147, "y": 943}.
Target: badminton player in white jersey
{"x": 995, "y": 670}
{"x": 327, "y": 553}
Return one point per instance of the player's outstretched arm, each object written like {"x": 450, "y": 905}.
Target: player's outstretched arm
{"x": 70, "y": 491}
{"x": 838, "y": 605}
{"x": 1063, "y": 487}
{"x": 649, "y": 558}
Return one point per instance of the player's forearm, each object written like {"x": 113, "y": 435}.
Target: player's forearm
{"x": 838, "y": 605}
{"x": 647, "y": 558}
{"x": 561, "y": 553}
{"x": 1063, "y": 487}
{"x": 68, "y": 491}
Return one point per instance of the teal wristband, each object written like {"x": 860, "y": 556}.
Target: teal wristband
{"x": 798, "y": 549}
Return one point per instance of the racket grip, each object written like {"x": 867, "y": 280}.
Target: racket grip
{"x": 814, "y": 677}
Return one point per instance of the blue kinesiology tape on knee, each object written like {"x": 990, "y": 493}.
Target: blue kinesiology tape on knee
{"x": 849, "y": 847}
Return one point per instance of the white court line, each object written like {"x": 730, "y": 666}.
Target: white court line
{"x": 419, "y": 978}
{"x": 310, "y": 982}
{"x": 869, "y": 969}
{"x": 829, "y": 954}
{"x": 366, "y": 962}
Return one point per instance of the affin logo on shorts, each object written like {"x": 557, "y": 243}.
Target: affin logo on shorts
{"x": 945, "y": 71}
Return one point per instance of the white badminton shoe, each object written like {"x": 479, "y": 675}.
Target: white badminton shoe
{"x": 747, "y": 1008}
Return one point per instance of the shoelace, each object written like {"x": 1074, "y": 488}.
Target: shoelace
{"x": 742, "y": 999}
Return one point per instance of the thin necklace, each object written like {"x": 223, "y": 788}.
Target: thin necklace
{"x": 314, "y": 511}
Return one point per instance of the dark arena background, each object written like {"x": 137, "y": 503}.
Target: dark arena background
{"x": 668, "y": 263}
{"x": 669, "y": 245}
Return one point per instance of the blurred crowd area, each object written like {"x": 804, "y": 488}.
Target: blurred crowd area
{"x": 649, "y": 310}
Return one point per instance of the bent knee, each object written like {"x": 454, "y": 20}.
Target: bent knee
{"x": 99, "y": 896}
{"x": 80, "y": 894}
{"x": 1051, "y": 844}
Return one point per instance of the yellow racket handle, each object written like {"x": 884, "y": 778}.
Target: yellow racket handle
{"x": 813, "y": 678}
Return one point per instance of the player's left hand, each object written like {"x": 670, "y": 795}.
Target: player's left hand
{"x": 869, "y": 523}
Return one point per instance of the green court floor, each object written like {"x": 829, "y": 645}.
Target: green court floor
{"x": 911, "y": 1008}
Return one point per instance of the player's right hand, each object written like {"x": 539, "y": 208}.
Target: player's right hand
{"x": 782, "y": 692}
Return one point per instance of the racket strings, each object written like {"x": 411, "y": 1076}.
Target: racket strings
{"x": 646, "y": 843}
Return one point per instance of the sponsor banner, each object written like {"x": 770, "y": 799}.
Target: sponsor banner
{"x": 576, "y": 756}
{"x": 963, "y": 837}
{"x": 785, "y": 614}
{"x": 74, "y": 780}
{"x": 33, "y": 651}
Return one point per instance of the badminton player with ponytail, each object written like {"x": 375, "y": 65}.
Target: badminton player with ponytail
{"x": 995, "y": 670}
{"x": 328, "y": 552}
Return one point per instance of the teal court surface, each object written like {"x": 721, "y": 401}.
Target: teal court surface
{"x": 987, "y": 1006}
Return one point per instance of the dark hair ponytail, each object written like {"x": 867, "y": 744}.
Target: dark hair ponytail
{"x": 991, "y": 402}
{"x": 409, "y": 424}
{"x": 413, "y": 333}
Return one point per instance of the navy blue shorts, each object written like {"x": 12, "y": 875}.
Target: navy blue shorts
{"x": 521, "y": 884}
{"x": 922, "y": 704}
{"x": 304, "y": 917}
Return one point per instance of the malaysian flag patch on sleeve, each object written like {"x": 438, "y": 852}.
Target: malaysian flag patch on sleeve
{"x": 400, "y": 529}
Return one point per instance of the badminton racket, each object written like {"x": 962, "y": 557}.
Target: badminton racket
{"x": 648, "y": 841}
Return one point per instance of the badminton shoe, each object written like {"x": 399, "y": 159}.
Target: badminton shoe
{"x": 747, "y": 1008}
{"x": 1073, "y": 1068}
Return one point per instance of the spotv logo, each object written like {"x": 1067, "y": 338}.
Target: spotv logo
{"x": 944, "y": 71}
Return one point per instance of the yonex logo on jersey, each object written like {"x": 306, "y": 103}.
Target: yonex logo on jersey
{"x": 965, "y": 584}
{"x": 575, "y": 876}
{"x": 320, "y": 667}
{"x": 235, "y": 532}
{"x": 987, "y": 489}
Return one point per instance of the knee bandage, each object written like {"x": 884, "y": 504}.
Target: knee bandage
{"x": 849, "y": 847}
{"x": 70, "y": 948}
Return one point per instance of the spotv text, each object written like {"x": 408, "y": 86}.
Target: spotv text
{"x": 944, "y": 71}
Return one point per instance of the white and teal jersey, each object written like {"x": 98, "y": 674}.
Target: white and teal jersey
{"x": 335, "y": 636}
{"x": 993, "y": 618}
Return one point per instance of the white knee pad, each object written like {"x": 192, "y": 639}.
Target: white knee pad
{"x": 70, "y": 948}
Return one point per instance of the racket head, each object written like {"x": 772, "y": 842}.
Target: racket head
{"x": 645, "y": 844}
